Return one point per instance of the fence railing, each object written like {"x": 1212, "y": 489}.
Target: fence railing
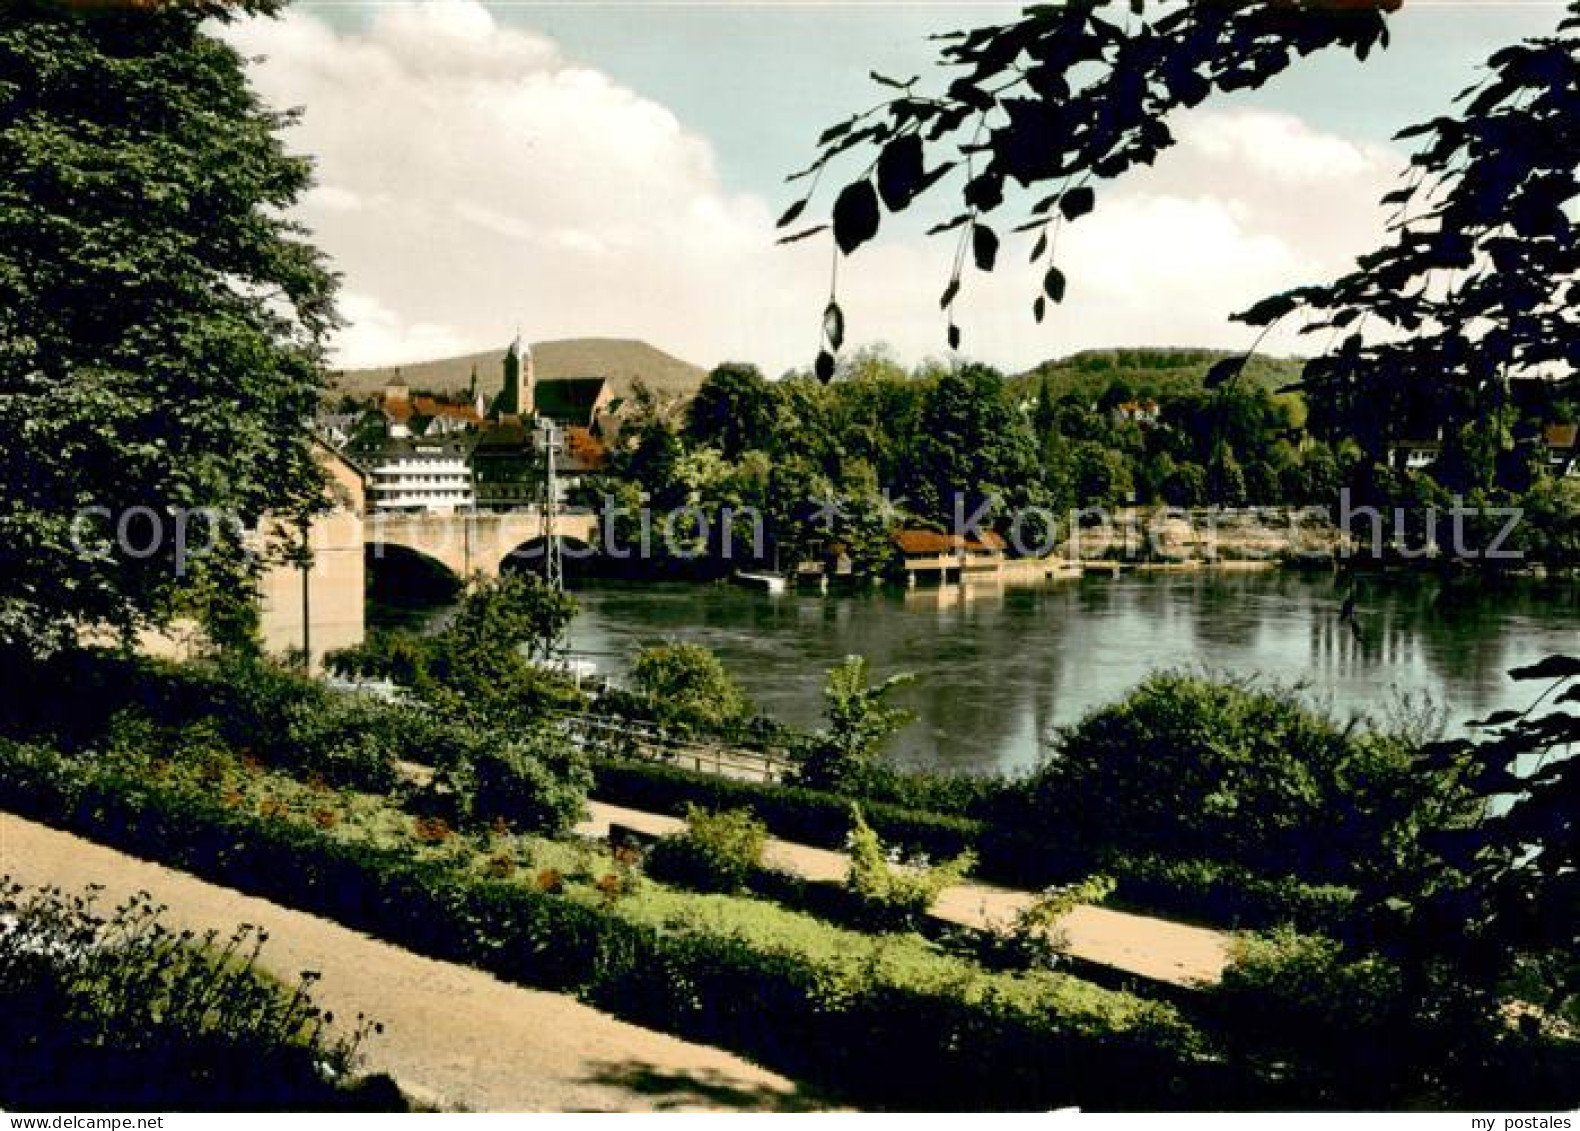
{"x": 625, "y": 738}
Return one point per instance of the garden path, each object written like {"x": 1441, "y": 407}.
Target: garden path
{"x": 454, "y": 1037}
{"x": 1159, "y": 949}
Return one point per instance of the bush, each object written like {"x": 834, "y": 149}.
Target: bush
{"x": 715, "y": 852}
{"x": 1187, "y": 768}
{"x": 537, "y": 783}
{"x": 1342, "y": 1016}
{"x": 1034, "y": 938}
{"x": 346, "y": 740}
{"x": 118, "y": 1011}
{"x": 896, "y": 893}
{"x": 686, "y": 686}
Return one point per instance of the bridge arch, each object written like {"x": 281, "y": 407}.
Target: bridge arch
{"x": 577, "y": 554}
{"x": 397, "y": 574}
{"x": 475, "y": 542}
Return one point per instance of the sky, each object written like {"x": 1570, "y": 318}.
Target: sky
{"x": 593, "y": 169}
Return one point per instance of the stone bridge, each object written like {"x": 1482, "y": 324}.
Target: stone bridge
{"x": 468, "y": 543}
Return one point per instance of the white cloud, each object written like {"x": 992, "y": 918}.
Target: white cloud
{"x": 1280, "y": 147}
{"x": 377, "y": 335}
{"x": 472, "y": 178}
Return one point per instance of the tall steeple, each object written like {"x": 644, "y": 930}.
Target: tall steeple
{"x": 520, "y": 381}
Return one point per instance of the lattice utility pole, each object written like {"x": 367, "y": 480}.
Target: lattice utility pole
{"x": 550, "y": 441}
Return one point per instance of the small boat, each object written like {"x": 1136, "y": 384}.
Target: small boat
{"x": 767, "y": 582}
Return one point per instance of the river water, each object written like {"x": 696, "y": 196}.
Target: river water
{"x": 998, "y": 669}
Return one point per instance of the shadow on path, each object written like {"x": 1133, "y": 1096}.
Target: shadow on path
{"x": 671, "y": 1090}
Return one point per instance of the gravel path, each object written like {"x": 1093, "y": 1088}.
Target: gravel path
{"x": 454, "y": 1037}
{"x": 1159, "y": 949}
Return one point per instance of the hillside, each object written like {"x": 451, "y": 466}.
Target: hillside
{"x": 1148, "y": 372}
{"x": 622, "y": 361}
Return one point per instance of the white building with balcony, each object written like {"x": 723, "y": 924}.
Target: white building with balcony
{"x": 428, "y": 475}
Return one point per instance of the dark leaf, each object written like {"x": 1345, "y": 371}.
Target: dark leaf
{"x": 1038, "y": 248}
{"x": 1039, "y": 308}
{"x": 837, "y": 131}
{"x": 792, "y": 214}
{"x": 900, "y": 172}
{"x": 1053, "y": 284}
{"x": 1226, "y": 370}
{"x": 985, "y": 192}
{"x": 1077, "y": 202}
{"x": 949, "y": 225}
{"x": 1496, "y": 719}
{"x": 984, "y": 247}
{"x": 885, "y": 80}
{"x": 1270, "y": 309}
{"x": 834, "y": 326}
{"x": 954, "y": 336}
{"x": 1553, "y": 667}
{"x": 796, "y": 237}
{"x": 949, "y": 294}
{"x": 824, "y": 367}
{"x": 855, "y": 216}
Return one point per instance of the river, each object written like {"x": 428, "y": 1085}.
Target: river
{"x": 998, "y": 669}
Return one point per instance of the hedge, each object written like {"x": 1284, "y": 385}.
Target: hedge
{"x": 1229, "y": 895}
{"x": 809, "y": 816}
{"x": 878, "y": 1042}
{"x": 1202, "y": 890}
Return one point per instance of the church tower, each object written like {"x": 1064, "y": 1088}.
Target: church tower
{"x": 518, "y": 396}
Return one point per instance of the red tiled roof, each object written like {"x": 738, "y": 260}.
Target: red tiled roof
{"x": 931, "y": 542}
{"x": 401, "y": 410}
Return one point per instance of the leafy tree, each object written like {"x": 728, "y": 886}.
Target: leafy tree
{"x": 972, "y": 446}
{"x": 1226, "y": 483}
{"x": 1478, "y": 282}
{"x": 480, "y": 665}
{"x": 1101, "y": 477}
{"x": 1505, "y": 892}
{"x": 860, "y": 721}
{"x": 1062, "y": 96}
{"x": 734, "y": 410}
{"x": 161, "y": 323}
{"x": 686, "y": 685}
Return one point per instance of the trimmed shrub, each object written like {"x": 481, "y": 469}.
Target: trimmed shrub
{"x": 715, "y": 852}
{"x": 1227, "y": 894}
{"x": 1195, "y": 889}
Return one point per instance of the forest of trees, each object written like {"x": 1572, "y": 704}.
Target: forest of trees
{"x": 882, "y": 446}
